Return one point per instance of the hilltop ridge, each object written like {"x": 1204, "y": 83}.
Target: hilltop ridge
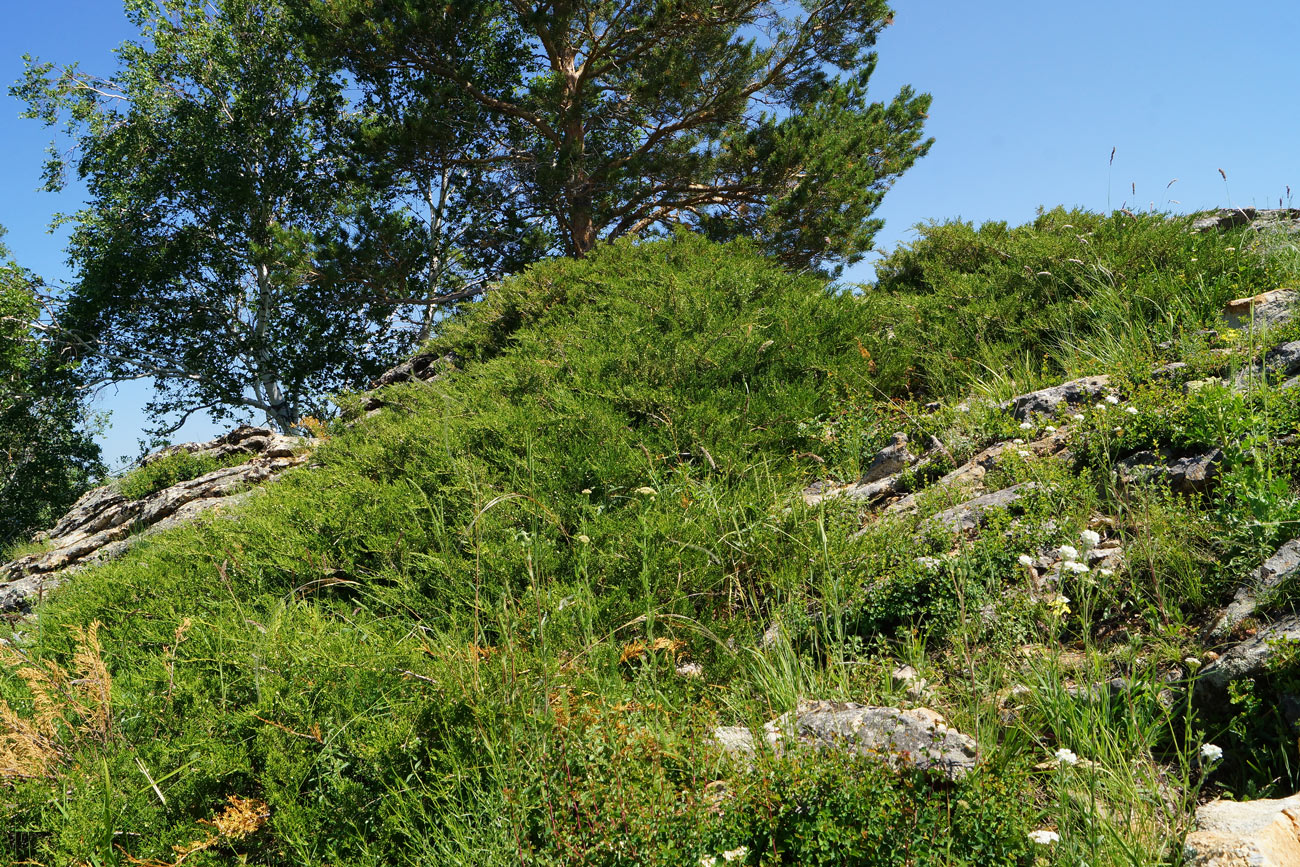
{"x": 574, "y": 584}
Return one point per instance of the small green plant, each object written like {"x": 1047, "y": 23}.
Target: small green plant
{"x": 181, "y": 466}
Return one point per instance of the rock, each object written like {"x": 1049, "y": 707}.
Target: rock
{"x": 736, "y": 740}
{"x": 892, "y": 459}
{"x": 972, "y": 514}
{"x": 917, "y": 738}
{"x": 1224, "y": 218}
{"x": 1247, "y": 659}
{"x": 1198, "y": 384}
{"x": 1282, "y": 566}
{"x": 1264, "y": 833}
{"x": 971, "y": 474}
{"x": 1193, "y": 474}
{"x": 882, "y": 478}
{"x": 425, "y": 367}
{"x": 103, "y": 524}
{"x": 1047, "y": 400}
{"x": 1257, "y": 218}
{"x": 1261, "y": 311}
{"x": 1173, "y": 370}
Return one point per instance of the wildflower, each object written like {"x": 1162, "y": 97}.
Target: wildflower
{"x": 1100, "y": 405}
{"x": 1025, "y": 560}
{"x": 1074, "y": 566}
{"x": 1105, "y": 573}
{"x": 708, "y": 861}
{"x": 961, "y": 407}
{"x": 1050, "y": 429}
{"x": 1066, "y": 756}
{"x": 1131, "y": 410}
{"x": 735, "y": 854}
{"x": 1192, "y": 662}
{"x": 584, "y": 538}
{"x": 1022, "y": 453}
{"x": 587, "y": 491}
{"x": 1090, "y": 539}
{"x": 1112, "y": 399}
{"x": 645, "y": 491}
{"x": 1078, "y": 416}
{"x": 1017, "y": 442}
{"x": 1024, "y": 425}
{"x": 1068, "y": 552}
{"x": 1060, "y": 605}
{"x": 1211, "y": 753}
{"x": 1044, "y": 837}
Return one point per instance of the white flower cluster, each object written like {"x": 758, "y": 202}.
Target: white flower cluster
{"x": 1211, "y": 753}
{"x": 1043, "y": 837}
{"x": 737, "y": 854}
{"x": 1066, "y": 756}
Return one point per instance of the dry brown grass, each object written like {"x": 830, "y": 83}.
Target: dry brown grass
{"x": 239, "y": 821}
{"x": 68, "y": 706}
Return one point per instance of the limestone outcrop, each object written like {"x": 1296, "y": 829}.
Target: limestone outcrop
{"x": 103, "y": 523}
{"x": 919, "y": 738}
{"x": 1264, "y": 833}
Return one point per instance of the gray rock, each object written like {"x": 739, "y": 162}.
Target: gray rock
{"x": 1263, "y": 833}
{"x": 736, "y": 740}
{"x": 972, "y": 514}
{"x": 1265, "y": 310}
{"x": 1224, "y": 218}
{"x": 1276, "y": 570}
{"x": 103, "y": 524}
{"x": 1048, "y": 399}
{"x": 1261, "y": 219}
{"x": 1193, "y": 474}
{"x": 971, "y": 474}
{"x": 1247, "y": 659}
{"x": 919, "y": 737}
{"x": 425, "y": 367}
{"x": 1173, "y": 370}
{"x": 892, "y": 459}
{"x": 901, "y": 738}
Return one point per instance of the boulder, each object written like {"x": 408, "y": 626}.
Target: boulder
{"x": 1047, "y": 400}
{"x": 918, "y": 738}
{"x": 1264, "y": 833}
{"x": 1247, "y": 659}
{"x": 1275, "y": 571}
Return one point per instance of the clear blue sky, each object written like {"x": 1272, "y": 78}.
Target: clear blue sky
{"x": 1029, "y": 100}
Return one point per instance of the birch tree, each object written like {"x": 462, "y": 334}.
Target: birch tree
{"x": 215, "y": 161}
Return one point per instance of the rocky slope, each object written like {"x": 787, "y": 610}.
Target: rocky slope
{"x": 104, "y": 524}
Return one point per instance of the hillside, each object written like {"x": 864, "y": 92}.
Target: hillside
{"x": 669, "y": 556}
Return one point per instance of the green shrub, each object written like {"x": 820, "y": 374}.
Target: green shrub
{"x": 178, "y": 467}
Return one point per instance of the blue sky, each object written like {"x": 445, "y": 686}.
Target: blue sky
{"x": 1029, "y": 100}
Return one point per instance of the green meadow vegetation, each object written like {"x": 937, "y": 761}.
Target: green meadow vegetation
{"x": 455, "y": 637}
